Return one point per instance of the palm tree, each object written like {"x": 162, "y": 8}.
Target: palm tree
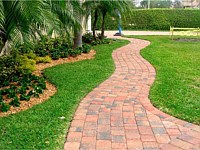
{"x": 92, "y": 6}
{"x": 16, "y": 18}
{"x": 110, "y": 7}
{"x": 107, "y": 7}
{"x": 78, "y": 11}
{"x": 22, "y": 22}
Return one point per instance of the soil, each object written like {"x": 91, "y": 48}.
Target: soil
{"x": 51, "y": 89}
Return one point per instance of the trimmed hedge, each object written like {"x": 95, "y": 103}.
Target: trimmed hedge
{"x": 156, "y": 19}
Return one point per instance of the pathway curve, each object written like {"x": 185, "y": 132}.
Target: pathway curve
{"x": 118, "y": 114}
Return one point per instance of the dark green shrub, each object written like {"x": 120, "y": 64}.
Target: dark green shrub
{"x": 94, "y": 43}
{"x": 21, "y": 90}
{"x": 72, "y": 53}
{"x": 11, "y": 93}
{"x": 86, "y": 48}
{"x": 15, "y": 102}
{"x": 87, "y": 38}
{"x": 41, "y": 50}
{"x": 1, "y": 98}
{"x": 64, "y": 54}
{"x": 106, "y": 41}
{"x": 7, "y": 69}
{"x": 4, "y": 107}
{"x": 55, "y": 55}
{"x": 25, "y": 97}
{"x": 78, "y": 50}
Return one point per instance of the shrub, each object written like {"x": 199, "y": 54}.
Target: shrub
{"x": 78, "y": 50}
{"x": 86, "y": 48}
{"x": 27, "y": 85}
{"x": 7, "y": 69}
{"x": 4, "y": 107}
{"x": 15, "y": 102}
{"x": 46, "y": 59}
{"x": 64, "y": 54}
{"x": 72, "y": 52}
{"x": 55, "y": 55}
{"x": 87, "y": 38}
{"x": 156, "y": 19}
{"x": 25, "y": 65}
{"x": 30, "y": 55}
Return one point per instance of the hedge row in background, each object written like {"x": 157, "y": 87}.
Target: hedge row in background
{"x": 156, "y": 19}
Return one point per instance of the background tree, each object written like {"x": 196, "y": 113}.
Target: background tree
{"x": 105, "y": 8}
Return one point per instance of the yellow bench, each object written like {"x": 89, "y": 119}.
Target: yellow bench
{"x": 184, "y": 31}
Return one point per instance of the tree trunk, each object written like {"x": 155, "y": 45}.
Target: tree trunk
{"x": 5, "y": 50}
{"x": 78, "y": 32}
{"x": 3, "y": 43}
{"x": 95, "y": 24}
{"x": 77, "y": 38}
{"x": 103, "y": 25}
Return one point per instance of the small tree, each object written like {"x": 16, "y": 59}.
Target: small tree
{"x": 109, "y": 7}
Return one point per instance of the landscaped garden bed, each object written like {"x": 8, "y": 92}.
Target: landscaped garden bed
{"x": 44, "y": 126}
{"x": 23, "y": 85}
{"x": 49, "y": 90}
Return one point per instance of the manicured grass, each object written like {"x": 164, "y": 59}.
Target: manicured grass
{"x": 176, "y": 90}
{"x": 41, "y": 127}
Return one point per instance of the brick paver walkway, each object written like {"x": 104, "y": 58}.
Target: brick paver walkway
{"x": 118, "y": 114}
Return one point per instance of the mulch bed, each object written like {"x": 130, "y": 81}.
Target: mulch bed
{"x": 51, "y": 89}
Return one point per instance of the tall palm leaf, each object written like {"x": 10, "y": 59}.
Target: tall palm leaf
{"x": 92, "y": 6}
{"x": 17, "y": 17}
{"x": 69, "y": 14}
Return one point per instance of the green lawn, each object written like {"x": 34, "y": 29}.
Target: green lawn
{"x": 176, "y": 90}
{"x": 41, "y": 127}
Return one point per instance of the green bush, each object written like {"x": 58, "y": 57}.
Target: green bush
{"x": 46, "y": 59}
{"x": 30, "y": 55}
{"x": 86, "y": 48}
{"x": 7, "y": 69}
{"x": 4, "y": 107}
{"x": 24, "y": 88}
{"x": 87, "y": 38}
{"x": 52, "y": 47}
{"x": 156, "y": 19}
{"x": 73, "y": 52}
{"x": 25, "y": 65}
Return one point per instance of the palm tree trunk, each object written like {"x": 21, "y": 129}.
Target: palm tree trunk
{"x": 3, "y": 43}
{"x": 95, "y": 24}
{"x": 77, "y": 38}
{"x": 78, "y": 32}
{"x": 6, "y": 49}
{"x": 103, "y": 25}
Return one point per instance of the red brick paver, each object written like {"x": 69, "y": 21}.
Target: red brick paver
{"x": 118, "y": 114}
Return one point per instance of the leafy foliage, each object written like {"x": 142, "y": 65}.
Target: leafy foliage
{"x": 156, "y": 19}
{"x": 86, "y": 48}
{"x": 23, "y": 88}
{"x": 7, "y": 69}
{"x": 46, "y": 59}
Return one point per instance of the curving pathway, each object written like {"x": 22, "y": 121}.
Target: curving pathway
{"x": 118, "y": 114}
